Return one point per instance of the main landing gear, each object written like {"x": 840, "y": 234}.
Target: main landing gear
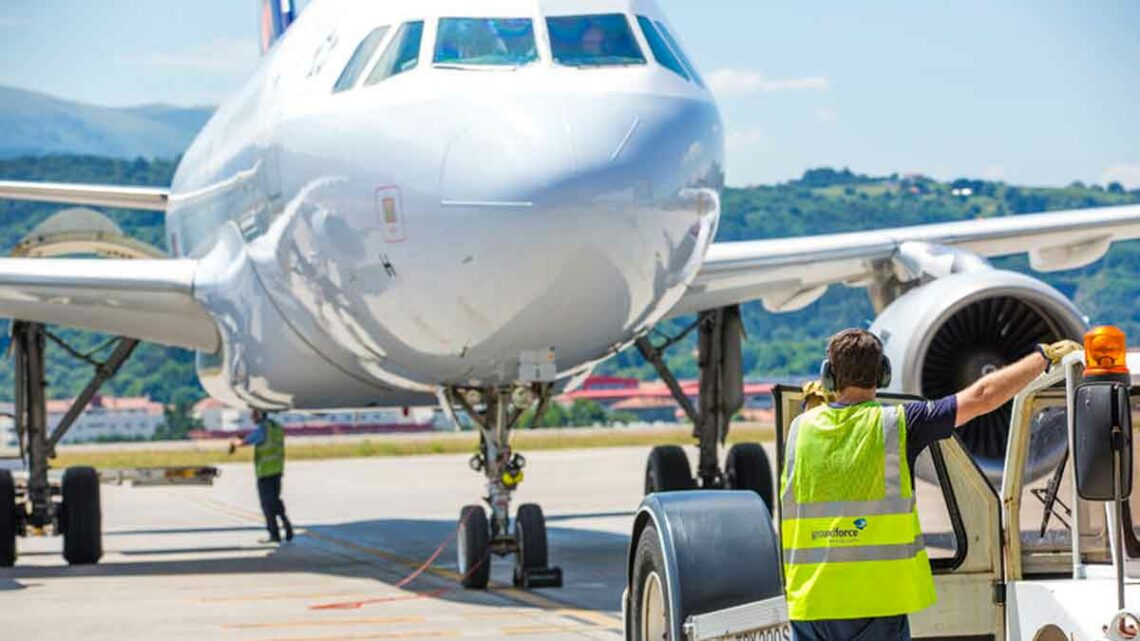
{"x": 496, "y": 411}
{"x": 721, "y": 395}
{"x": 38, "y": 506}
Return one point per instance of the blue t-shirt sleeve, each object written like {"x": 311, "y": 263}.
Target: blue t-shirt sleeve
{"x": 257, "y": 436}
{"x": 929, "y": 421}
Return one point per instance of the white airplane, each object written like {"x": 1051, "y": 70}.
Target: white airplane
{"x": 476, "y": 202}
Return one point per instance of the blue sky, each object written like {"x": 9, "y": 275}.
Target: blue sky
{"x": 1027, "y": 92}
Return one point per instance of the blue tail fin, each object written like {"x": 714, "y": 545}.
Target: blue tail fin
{"x": 276, "y": 16}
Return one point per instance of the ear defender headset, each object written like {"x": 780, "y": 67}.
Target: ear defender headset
{"x": 827, "y": 376}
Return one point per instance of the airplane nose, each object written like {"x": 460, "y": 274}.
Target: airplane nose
{"x": 557, "y": 150}
{"x": 508, "y": 157}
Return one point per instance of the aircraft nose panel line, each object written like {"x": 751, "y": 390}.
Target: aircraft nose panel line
{"x": 506, "y": 204}
{"x": 625, "y": 141}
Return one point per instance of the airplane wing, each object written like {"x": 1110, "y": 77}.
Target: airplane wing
{"x": 148, "y": 299}
{"x": 149, "y": 198}
{"x": 151, "y": 300}
{"x": 790, "y": 273}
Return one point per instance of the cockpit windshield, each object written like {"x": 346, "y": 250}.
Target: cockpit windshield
{"x": 680, "y": 53}
{"x": 593, "y": 41}
{"x": 485, "y": 41}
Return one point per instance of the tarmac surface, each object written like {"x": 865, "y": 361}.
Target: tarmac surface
{"x": 184, "y": 562}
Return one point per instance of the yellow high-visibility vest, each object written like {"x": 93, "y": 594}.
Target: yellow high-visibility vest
{"x": 269, "y": 456}
{"x": 850, "y": 533}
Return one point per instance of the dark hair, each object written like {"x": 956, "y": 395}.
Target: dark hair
{"x": 856, "y": 358}
{"x": 257, "y": 415}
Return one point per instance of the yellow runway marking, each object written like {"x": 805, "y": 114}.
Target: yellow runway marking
{"x": 600, "y": 619}
{"x": 380, "y": 635}
{"x": 315, "y": 623}
{"x": 547, "y": 629}
{"x": 284, "y": 595}
{"x": 515, "y": 594}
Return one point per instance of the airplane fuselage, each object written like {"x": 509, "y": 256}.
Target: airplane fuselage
{"x": 448, "y": 225}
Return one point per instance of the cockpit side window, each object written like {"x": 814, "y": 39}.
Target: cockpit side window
{"x": 680, "y": 53}
{"x": 661, "y": 51}
{"x": 593, "y": 41}
{"x": 402, "y": 54}
{"x": 485, "y": 41}
{"x": 359, "y": 59}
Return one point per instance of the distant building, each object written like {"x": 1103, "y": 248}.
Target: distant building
{"x": 219, "y": 419}
{"x": 653, "y": 402}
{"x": 106, "y": 418}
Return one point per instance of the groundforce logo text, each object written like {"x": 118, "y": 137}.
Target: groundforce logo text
{"x": 834, "y": 533}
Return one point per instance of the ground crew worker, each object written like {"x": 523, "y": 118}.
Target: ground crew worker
{"x": 268, "y": 441}
{"x": 854, "y": 557}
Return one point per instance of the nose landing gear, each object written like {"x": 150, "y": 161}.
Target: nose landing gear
{"x": 496, "y": 412}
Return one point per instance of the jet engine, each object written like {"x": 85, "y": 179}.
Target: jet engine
{"x": 946, "y": 334}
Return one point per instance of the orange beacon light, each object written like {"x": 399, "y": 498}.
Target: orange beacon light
{"x": 1106, "y": 351}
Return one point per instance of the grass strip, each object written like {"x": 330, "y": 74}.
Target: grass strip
{"x": 214, "y": 452}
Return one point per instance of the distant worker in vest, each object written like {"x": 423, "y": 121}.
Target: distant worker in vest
{"x": 268, "y": 441}
{"x": 854, "y": 557}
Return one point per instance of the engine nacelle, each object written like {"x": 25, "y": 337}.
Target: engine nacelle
{"x": 944, "y": 335}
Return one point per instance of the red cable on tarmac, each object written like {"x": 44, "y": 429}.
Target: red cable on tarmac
{"x": 415, "y": 574}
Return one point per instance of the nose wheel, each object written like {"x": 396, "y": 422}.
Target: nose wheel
{"x": 474, "y": 548}
{"x": 496, "y": 412}
{"x": 531, "y": 567}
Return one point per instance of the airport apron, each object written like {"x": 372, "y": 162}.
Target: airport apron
{"x": 849, "y": 523}
{"x": 269, "y": 456}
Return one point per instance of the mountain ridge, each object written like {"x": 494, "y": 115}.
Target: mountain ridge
{"x": 38, "y": 124}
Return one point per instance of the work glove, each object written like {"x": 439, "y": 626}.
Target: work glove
{"x": 815, "y": 395}
{"x": 1055, "y": 352}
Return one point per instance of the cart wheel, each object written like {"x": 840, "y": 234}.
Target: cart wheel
{"x": 650, "y": 601}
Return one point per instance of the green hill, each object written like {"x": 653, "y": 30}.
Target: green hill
{"x": 822, "y": 201}
{"x": 37, "y": 124}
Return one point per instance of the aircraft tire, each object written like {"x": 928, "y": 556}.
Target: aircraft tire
{"x": 474, "y": 548}
{"x": 748, "y": 468}
{"x": 8, "y": 523}
{"x": 81, "y": 516}
{"x": 667, "y": 470}
{"x": 530, "y": 533}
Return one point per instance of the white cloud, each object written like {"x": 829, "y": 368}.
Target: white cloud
{"x": 743, "y": 138}
{"x": 739, "y": 82}
{"x": 826, "y": 115}
{"x": 236, "y": 56}
{"x": 1127, "y": 175}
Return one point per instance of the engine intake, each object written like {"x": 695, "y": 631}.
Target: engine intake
{"x": 944, "y": 335}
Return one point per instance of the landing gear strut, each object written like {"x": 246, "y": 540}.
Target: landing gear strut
{"x": 721, "y": 395}
{"x": 496, "y": 411}
{"x": 38, "y": 507}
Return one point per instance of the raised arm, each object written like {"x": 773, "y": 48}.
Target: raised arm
{"x": 996, "y": 389}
